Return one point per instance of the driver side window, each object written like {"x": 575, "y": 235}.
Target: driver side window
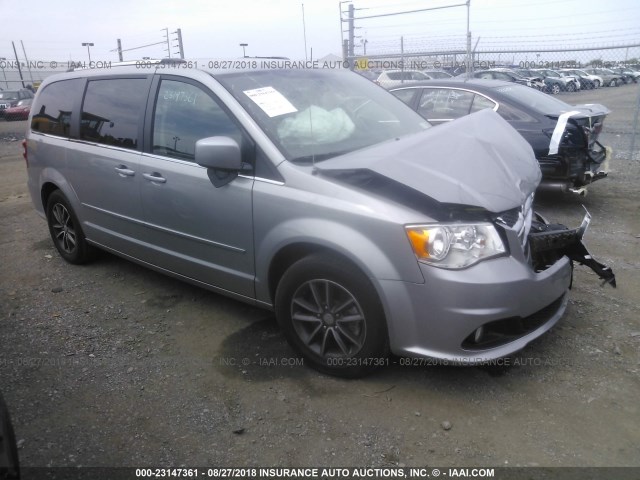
{"x": 184, "y": 114}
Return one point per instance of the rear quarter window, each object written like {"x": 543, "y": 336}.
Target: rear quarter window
{"x": 52, "y": 109}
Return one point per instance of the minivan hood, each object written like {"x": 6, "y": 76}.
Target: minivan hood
{"x": 477, "y": 160}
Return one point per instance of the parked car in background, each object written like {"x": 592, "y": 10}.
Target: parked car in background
{"x": 566, "y": 82}
{"x": 437, "y": 74}
{"x": 628, "y": 75}
{"x": 10, "y": 98}
{"x": 20, "y": 111}
{"x": 587, "y": 80}
{"x": 313, "y": 193}
{"x": 609, "y": 77}
{"x": 368, "y": 74}
{"x": 551, "y": 85}
{"x": 393, "y": 78}
{"x": 508, "y": 75}
{"x": 564, "y": 137}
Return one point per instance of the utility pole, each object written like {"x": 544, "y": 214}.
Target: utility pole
{"x": 166, "y": 36}
{"x": 469, "y": 66}
{"x": 351, "y": 36}
{"x": 180, "y": 47}
{"x": 18, "y": 62}
{"x": 120, "y": 51}
{"x": 304, "y": 33}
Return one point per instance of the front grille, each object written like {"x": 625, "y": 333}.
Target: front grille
{"x": 519, "y": 220}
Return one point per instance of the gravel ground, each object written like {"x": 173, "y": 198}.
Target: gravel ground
{"x": 110, "y": 364}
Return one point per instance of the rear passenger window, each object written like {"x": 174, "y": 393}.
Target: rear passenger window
{"x": 112, "y": 111}
{"x": 52, "y": 111}
{"x": 444, "y": 103}
{"x": 185, "y": 114}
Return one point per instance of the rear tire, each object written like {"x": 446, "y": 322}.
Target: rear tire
{"x": 555, "y": 89}
{"x": 65, "y": 230}
{"x": 613, "y": 83}
{"x": 331, "y": 314}
{"x": 597, "y": 83}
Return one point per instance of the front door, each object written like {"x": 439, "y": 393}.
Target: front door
{"x": 195, "y": 229}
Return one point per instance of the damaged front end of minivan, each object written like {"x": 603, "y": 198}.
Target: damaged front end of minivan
{"x": 496, "y": 272}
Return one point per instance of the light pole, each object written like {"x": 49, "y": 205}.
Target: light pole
{"x": 243, "y": 45}
{"x": 88, "y": 45}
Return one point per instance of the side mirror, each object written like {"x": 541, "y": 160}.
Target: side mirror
{"x": 218, "y": 153}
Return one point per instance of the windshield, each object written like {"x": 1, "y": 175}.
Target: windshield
{"x": 319, "y": 114}
{"x": 531, "y": 98}
{"x": 9, "y": 95}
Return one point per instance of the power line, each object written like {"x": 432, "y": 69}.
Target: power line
{"x": 410, "y": 11}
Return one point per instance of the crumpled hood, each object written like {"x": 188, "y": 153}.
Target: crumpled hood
{"x": 477, "y": 160}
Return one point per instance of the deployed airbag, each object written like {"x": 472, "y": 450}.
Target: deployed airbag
{"x": 315, "y": 125}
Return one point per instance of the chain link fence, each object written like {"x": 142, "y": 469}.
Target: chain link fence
{"x": 397, "y": 61}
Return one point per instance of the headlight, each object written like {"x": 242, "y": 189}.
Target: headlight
{"x": 455, "y": 245}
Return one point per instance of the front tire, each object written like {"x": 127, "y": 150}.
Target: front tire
{"x": 597, "y": 83}
{"x": 331, "y": 314}
{"x": 613, "y": 83}
{"x": 65, "y": 230}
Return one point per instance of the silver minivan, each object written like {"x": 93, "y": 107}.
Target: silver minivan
{"x": 314, "y": 193}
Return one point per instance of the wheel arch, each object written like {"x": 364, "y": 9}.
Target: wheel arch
{"x": 290, "y": 254}
{"x": 50, "y": 180}
{"x": 278, "y": 250}
{"x": 45, "y": 192}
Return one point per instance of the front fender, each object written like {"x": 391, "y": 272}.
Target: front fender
{"x": 385, "y": 260}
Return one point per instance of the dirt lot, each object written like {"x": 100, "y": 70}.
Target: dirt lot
{"x": 110, "y": 364}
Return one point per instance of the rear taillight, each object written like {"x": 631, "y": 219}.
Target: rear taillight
{"x": 24, "y": 154}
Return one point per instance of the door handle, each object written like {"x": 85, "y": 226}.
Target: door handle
{"x": 124, "y": 171}
{"x": 154, "y": 177}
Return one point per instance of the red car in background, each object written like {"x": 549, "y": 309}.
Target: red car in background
{"x": 20, "y": 111}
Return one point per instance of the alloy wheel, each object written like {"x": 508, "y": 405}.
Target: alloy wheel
{"x": 63, "y": 228}
{"x": 328, "y": 319}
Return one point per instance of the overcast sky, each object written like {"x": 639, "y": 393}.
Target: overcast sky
{"x": 214, "y": 29}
